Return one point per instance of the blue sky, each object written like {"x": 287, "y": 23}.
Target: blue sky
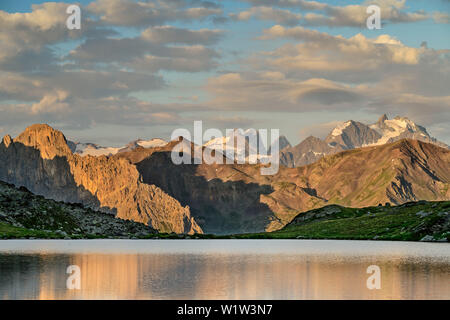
{"x": 240, "y": 64}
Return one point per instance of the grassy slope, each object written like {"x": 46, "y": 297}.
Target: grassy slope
{"x": 8, "y": 231}
{"x": 42, "y": 218}
{"x": 408, "y": 222}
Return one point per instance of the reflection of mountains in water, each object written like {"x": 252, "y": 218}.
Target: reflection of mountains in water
{"x": 232, "y": 275}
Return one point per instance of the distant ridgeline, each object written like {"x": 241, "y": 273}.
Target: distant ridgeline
{"x": 353, "y": 134}
{"x": 141, "y": 183}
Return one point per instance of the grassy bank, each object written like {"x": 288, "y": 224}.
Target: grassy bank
{"x": 427, "y": 221}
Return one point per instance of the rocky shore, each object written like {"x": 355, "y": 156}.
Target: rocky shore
{"x": 25, "y": 215}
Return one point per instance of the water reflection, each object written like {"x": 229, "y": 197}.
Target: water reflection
{"x": 283, "y": 273}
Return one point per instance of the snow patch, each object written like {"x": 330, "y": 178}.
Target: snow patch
{"x": 394, "y": 128}
{"x": 153, "y": 143}
{"x": 85, "y": 149}
{"x": 338, "y": 130}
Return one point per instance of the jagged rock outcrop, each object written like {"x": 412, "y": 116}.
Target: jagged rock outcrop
{"x": 7, "y": 140}
{"x": 41, "y": 160}
{"x": 308, "y": 151}
{"x": 352, "y": 134}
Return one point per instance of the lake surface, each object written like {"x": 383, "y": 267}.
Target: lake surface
{"x": 223, "y": 269}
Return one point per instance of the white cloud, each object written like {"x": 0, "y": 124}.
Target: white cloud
{"x": 52, "y": 102}
{"x": 280, "y": 16}
{"x": 319, "y": 71}
{"x": 95, "y": 81}
{"x": 352, "y": 15}
{"x": 234, "y": 91}
{"x": 93, "y": 84}
{"x": 153, "y": 50}
{"x": 143, "y": 13}
{"x": 169, "y": 34}
{"x": 303, "y": 4}
{"x": 441, "y": 17}
{"x": 321, "y": 54}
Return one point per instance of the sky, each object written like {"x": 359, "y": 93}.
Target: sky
{"x": 141, "y": 69}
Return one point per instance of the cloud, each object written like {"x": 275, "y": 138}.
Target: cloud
{"x": 95, "y": 81}
{"x": 323, "y": 72}
{"x": 180, "y": 64}
{"x": 169, "y": 34}
{"x": 308, "y": 5}
{"x": 53, "y": 102}
{"x": 320, "y": 54}
{"x": 89, "y": 84}
{"x": 153, "y": 50}
{"x": 320, "y": 130}
{"x": 234, "y": 91}
{"x": 24, "y": 37}
{"x": 143, "y": 13}
{"x": 253, "y": 92}
{"x": 441, "y": 17}
{"x": 280, "y": 16}
{"x": 354, "y": 15}
{"x": 299, "y": 33}
{"x": 82, "y": 113}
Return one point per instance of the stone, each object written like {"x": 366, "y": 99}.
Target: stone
{"x": 427, "y": 238}
{"x": 423, "y": 214}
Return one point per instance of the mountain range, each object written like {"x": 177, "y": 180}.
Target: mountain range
{"x": 346, "y": 136}
{"x": 375, "y": 164}
{"x": 352, "y": 134}
{"x": 92, "y": 149}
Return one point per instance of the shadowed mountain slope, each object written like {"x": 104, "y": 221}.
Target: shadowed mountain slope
{"x": 237, "y": 198}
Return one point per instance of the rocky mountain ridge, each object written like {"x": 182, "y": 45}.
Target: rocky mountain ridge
{"x": 353, "y": 134}
{"x": 41, "y": 160}
{"x": 237, "y": 198}
{"x": 348, "y": 135}
{"x": 144, "y": 185}
{"x": 92, "y": 149}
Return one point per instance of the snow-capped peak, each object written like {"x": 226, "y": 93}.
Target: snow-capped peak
{"x": 153, "y": 143}
{"x": 84, "y": 149}
{"x": 229, "y": 144}
{"x": 399, "y": 127}
{"x": 226, "y": 142}
{"x": 338, "y": 130}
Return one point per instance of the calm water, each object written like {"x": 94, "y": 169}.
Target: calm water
{"x": 223, "y": 269}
